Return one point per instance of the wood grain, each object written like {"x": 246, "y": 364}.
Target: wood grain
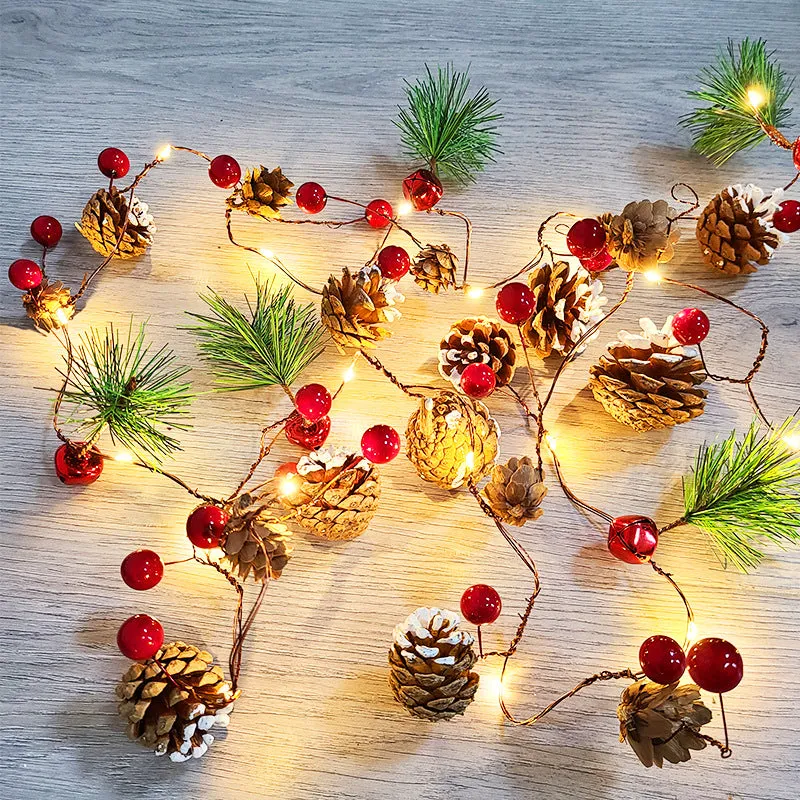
{"x": 591, "y": 93}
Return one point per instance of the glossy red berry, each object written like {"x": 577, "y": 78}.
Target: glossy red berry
{"x": 309, "y": 435}
{"x": 633, "y": 538}
{"x": 205, "y": 526}
{"x": 378, "y": 213}
{"x": 287, "y": 468}
{"x": 662, "y": 659}
{"x": 715, "y": 665}
{"x": 515, "y": 303}
{"x": 76, "y": 466}
{"x": 46, "y": 231}
{"x": 787, "y": 216}
{"x": 140, "y": 637}
{"x": 603, "y": 260}
{"x": 313, "y": 401}
{"x": 113, "y": 163}
{"x": 25, "y": 274}
{"x": 224, "y": 171}
{"x": 311, "y": 198}
{"x": 142, "y": 569}
{"x": 393, "y": 262}
{"x": 481, "y": 604}
{"x": 422, "y": 189}
{"x": 478, "y": 381}
{"x": 380, "y": 444}
{"x": 690, "y": 326}
{"x": 586, "y": 238}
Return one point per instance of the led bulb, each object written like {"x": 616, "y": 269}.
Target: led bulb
{"x": 164, "y": 153}
{"x": 124, "y": 456}
{"x": 404, "y": 208}
{"x": 349, "y": 374}
{"x": 792, "y": 441}
{"x": 652, "y": 275}
{"x": 267, "y": 253}
{"x": 470, "y": 460}
{"x": 288, "y": 486}
{"x": 756, "y": 97}
{"x": 474, "y": 291}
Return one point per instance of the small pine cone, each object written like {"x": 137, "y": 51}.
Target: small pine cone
{"x": 262, "y": 193}
{"x": 516, "y": 491}
{"x": 337, "y": 494}
{"x": 450, "y": 439}
{"x": 642, "y": 235}
{"x": 735, "y": 230}
{"x": 477, "y": 341}
{"x": 174, "y": 717}
{"x": 354, "y": 307}
{"x": 430, "y": 665}
{"x": 648, "y": 380}
{"x": 104, "y": 217}
{"x": 49, "y": 305}
{"x": 662, "y": 722}
{"x": 568, "y": 302}
{"x": 434, "y": 268}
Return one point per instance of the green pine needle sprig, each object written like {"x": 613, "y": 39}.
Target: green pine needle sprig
{"x": 743, "y": 494}
{"x": 452, "y": 133}
{"x": 115, "y": 381}
{"x": 268, "y": 346}
{"x": 733, "y": 122}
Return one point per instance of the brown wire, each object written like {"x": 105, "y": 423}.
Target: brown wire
{"x": 468, "y": 223}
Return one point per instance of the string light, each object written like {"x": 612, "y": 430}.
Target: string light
{"x": 792, "y": 441}
{"x": 756, "y": 97}
{"x": 61, "y": 316}
{"x": 164, "y": 153}
{"x": 474, "y": 291}
{"x": 124, "y": 456}
{"x": 652, "y": 275}
{"x": 691, "y": 632}
{"x": 288, "y": 486}
{"x": 404, "y": 208}
{"x": 266, "y": 252}
{"x": 551, "y": 442}
{"x": 349, "y": 374}
{"x": 470, "y": 461}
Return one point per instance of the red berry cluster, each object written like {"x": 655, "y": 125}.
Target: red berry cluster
{"x": 26, "y": 274}
{"x": 586, "y": 240}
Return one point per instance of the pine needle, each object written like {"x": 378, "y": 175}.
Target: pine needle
{"x": 733, "y": 120}
{"x": 743, "y": 494}
{"x": 116, "y": 382}
{"x": 269, "y": 346}
{"x": 444, "y": 128}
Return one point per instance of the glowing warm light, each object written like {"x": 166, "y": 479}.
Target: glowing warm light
{"x": 470, "y": 460}
{"x": 653, "y": 276}
{"x": 61, "y": 316}
{"x": 691, "y": 632}
{"x": 756, "y": 97}
{"x": 551, "y": 441}
{"x": 164, "y": 153}
{"x": 404, "y": 208}
{"x": 349, "y": 374}
{"x": 792, "y": 441}
{"x": 124, "y": 456}
{"x": 288, "y": 486}
{"x": 474, "y": 291}
{"x": 266, "y": 252}
{"x": 492, "y": 688}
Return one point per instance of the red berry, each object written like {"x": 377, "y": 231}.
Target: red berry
{"x": 25, "y": 274}
{"x": 140, "y": 637}
{"x": 205, "y": 526}
{"x": 715, "y": 665}
{"x": 288, "y": 468}
{"x": 393, "y": 262}
{"x": 478, "y": 381}
{"x": 515, "y": 303}
{"x": 142, "y": 569}
{"x": 380, "y": 444}
{"x": 113, "y": 163}
{"x": 378, "y": 213}
{"x": 311, "y": 198}
{"x": 76, "y": 466}
{"x": 46, "y": 231}
{"x": 690, "y": 326}
{"x": 586, "y": 238}
{"x": 662, "y": 659}
{"x": 787, "y": 216}
{"x": 598, "y": 263}
{"x": 309, "y": 435}
{"x": 224, "y": 171}
{"x": 480, "y": 604}
{"x": 313, "y": 401}
{"x": 632, "y": 539}
{"x": 422, "y": 189}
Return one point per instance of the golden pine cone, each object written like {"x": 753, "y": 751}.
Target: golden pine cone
{"x": 103, "y": 220}
{"x": 648, "y": 380}
{"x": 450, "y": 439}
{"x": 735, "y": 230}
{"x": 515, "y": 491}
{"x": 434, "y": 268}
{"x": 662, "y": 722}
{"x": 49, "y": 305}
{"x": 568, "y": 302}
{"x": 262, "y": 193}
{"x": 430, "y": 665}
{"x": 175, "y": 717}
{"x": 477, "y": 341}
{"x": 641, "y": 236}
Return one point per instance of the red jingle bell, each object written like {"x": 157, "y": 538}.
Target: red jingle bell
{"x": 142, "y": 569}
{"x": 25, "y": 274}
{"x": 313, "y": 401}
{"x": 515, "y": 303}
{"x": 393, "y": 262}
{"x": 603, "y": 260}
{"x": 46, "y": 231}
{"x": 140, "y": 637}
{"x": 786, "y": 217}
{"x": 113, "y": 163}
{"x": 205, "y": 526}
{"x": 690, "y": 326}
{"x": 632, "y": 538}
{"x": 481, "y": 604}
{"x": 422, "y": 189}
{"x": 380, "y": 444}
{"x": 586, "y": 238}
{"x": 662, "y": 659}
{"x": 311, "y": 198}
{"x": 478, "y": 381}
{"x": 309, "y": 435}
{"x": 378, "y": 213}
{"x": 224, "y": 171}
{"x": 77, "y": 466}
{"x": 715, "y": 665}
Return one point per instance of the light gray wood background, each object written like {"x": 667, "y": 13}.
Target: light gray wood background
{"x": 591, "y": 94}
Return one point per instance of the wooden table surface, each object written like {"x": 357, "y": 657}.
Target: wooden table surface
{"x": 591, "y": 93}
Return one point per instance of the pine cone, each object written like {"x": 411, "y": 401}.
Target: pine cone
{"x": 429, "y": 665}
{"x": 175, "y": 720}
{"x": 354, "y": 307}
{"x": 568, "y": 302}
{"x": 662, "y": 722}
{"x": 103, "y": 219}
{"x": 641, "y": 236}
{"x": 49, "y": 305}
{"x": 337, "y": 494}
{"x": 262, "y": 193}
{"x": 648, "y": 381}
{"x": 434, "y": 268}
{"x": 735, "y": 230}
{"x": 445, "y": 434}
{"x": 516, "y": 491}
{"x": 254, "y": 540}
{"x": 477, "y": 341}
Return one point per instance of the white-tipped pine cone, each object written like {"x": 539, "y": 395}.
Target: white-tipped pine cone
{"x": 477, "y": 341}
